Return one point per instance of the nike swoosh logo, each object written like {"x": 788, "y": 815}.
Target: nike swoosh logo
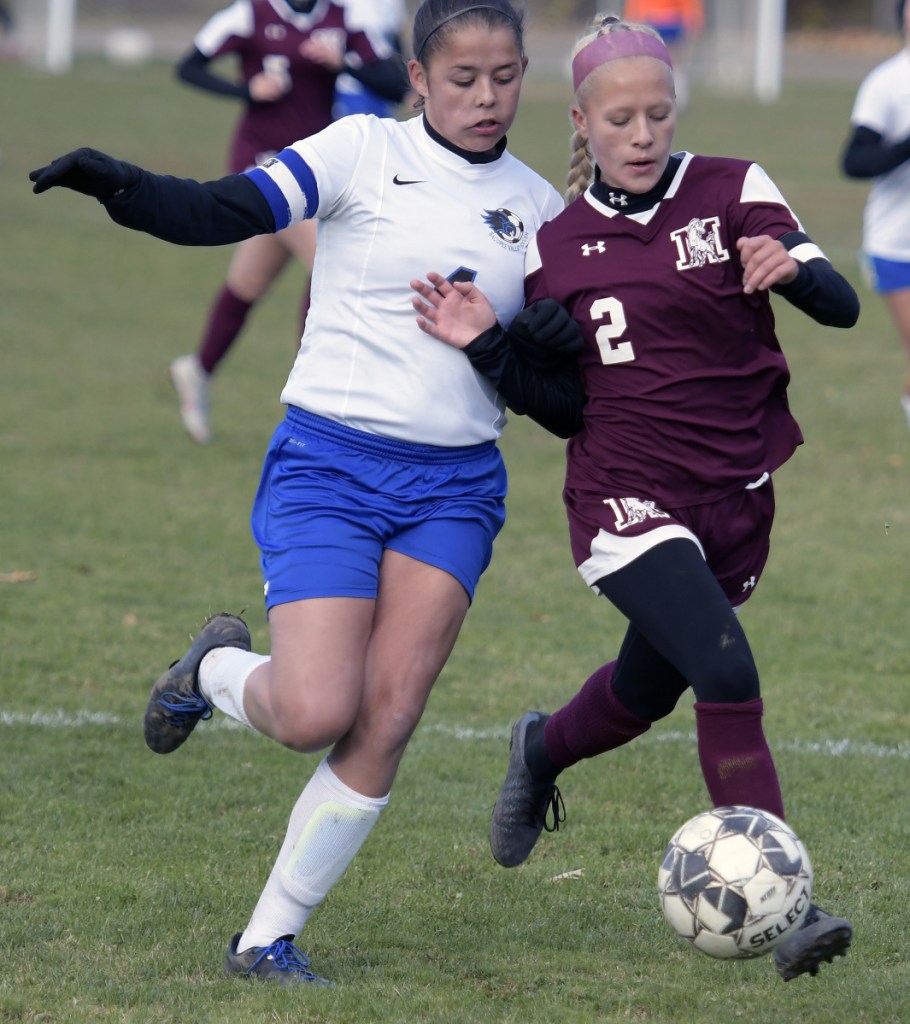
{"x": 407, "y": 181}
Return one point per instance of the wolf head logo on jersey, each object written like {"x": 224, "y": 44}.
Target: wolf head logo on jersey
{"x": 505, "y": 225}
{"x": 698, "y": 243}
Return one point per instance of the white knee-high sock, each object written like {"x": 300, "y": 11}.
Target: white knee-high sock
{"x": 328, "y": 825}
{"x": 223, "y": 673}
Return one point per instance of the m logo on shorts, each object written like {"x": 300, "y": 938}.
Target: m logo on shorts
{"x": 629, "y": 511}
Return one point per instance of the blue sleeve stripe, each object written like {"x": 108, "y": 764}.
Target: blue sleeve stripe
{"x": 303, "y": 175}
{"x": 273, "y": 195}
{"x": 285, "y": 180}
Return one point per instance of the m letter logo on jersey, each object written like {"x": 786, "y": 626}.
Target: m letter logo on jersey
{"x": 587, "y": 248}
{"x": 332, "y": 38}
{"x": 699, "y": 243}
{"x": 506, "y": 227}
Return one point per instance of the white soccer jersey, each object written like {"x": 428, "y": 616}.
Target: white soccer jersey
{"x": 385, "y": 17}
{"x": 393, "y": 204}
{"x": 883, "y": 104}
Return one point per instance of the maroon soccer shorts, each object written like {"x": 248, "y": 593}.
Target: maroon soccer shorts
{"x": 733, "y": 534}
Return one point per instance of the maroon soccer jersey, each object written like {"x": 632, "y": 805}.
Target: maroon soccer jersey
{"x": 685, "y": 378}
{"x": 268, "y": 37}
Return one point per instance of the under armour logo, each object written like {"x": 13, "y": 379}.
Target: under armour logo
{"x": 750, "y": 583}
{"x": 586, "y": 249}
{"x": 619, "y": 199}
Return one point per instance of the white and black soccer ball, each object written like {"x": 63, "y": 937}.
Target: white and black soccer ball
{"x": 735, "y": 882}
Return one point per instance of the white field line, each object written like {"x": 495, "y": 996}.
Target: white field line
{"x": 829, "y": 747}
{"x": 825, "y": 747}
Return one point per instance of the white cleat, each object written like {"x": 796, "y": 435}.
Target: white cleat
{"x": 192, "y": 385}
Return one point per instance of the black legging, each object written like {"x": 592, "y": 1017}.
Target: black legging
{"x": 682, "y": 632}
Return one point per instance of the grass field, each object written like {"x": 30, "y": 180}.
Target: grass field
{"x": 123, "y": 875}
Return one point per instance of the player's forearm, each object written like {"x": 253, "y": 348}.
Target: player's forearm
{"x": 188, "y": 212}
{"x": 867, "y": 155}
{"x": 554, "y": 399}
{"x": 388, "y": 77}
{"x": 193, "y": 70}
{"x": 822, "y": 293}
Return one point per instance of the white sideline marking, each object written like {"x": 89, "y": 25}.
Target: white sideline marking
{"x": 60, "y": 719}
{"x": 826, "y": 747}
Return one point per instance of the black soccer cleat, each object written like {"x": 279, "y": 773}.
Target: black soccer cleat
{"x": 520, "y": 812}
{"x": 175, "y": 704}
{"x": 820, "y": 938}
{"x": 281, "y": 963}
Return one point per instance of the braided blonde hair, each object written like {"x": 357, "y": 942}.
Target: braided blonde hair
{"x": 581, "y": 163}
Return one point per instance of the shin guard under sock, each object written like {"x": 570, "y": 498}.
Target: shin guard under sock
{"x": 595, "y": 720}
{"x": 734, "y": 755}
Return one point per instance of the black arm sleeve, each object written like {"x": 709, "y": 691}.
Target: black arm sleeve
{"x": 189, "y": 212}
{"x": 388, "y": 77}
{"x": 553, "y": 399}
{"x": 867, "y": 155}
{"x": 819, "y": 290}
{"x": 194, "y": 70}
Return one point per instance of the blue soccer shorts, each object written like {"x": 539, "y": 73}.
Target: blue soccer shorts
{"x": 331, "y": 499}
{"x": 886, "y": 275}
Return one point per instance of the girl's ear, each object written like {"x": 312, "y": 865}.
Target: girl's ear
{"x": 580, "y": 121}
{"x": 418, "y": 76}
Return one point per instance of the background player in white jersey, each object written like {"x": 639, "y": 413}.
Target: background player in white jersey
{"x": 385, "y": 18}
{"x": 290, "y": 55}
{"x": 383, "y": 489}
{"x": 665, "y": 261}
{"x": 879, "y": 148}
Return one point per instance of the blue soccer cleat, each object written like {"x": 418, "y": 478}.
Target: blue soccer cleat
{"x": 280, "y": 962}
{"x": 175, "y": 704}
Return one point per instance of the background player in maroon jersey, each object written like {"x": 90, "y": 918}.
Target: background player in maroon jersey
{"x": 665, "y": 261}
{"x": 290, "y": 53}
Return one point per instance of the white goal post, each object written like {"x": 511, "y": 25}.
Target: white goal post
{"x": 744, "y": 49}
{"x": 58, "y": 44}
{"x": 769, "y": 49}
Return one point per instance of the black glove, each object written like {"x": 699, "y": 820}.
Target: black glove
{"x": 545, "y": 334}
{"x": 86, "y": 171}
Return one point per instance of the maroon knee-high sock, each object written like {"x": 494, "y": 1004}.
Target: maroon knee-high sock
{"x": 595, "y": 720}
{"x": 226, "y": 319}
{"x": 734, "y": 755}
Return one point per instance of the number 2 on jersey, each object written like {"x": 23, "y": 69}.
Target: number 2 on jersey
{"x": 611, "y": 349}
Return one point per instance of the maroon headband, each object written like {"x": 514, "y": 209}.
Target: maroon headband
{"x": 611, "y": 46}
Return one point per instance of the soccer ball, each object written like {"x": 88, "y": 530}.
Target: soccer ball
{"x": 735, "y": 882}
